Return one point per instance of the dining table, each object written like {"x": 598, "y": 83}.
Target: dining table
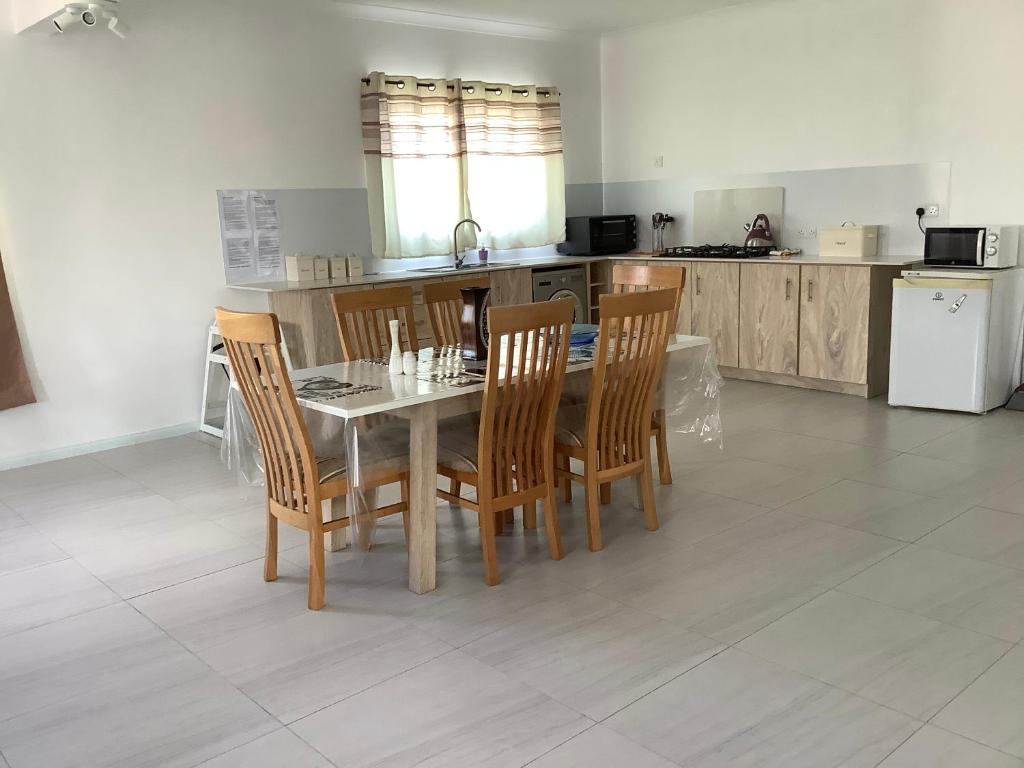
{"x": 443, "y": 386}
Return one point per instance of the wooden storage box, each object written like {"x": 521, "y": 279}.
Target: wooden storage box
{"x": 849, "y": 241}
{"x": 299, "y": 268}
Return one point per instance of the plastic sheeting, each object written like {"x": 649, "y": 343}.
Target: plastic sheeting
{"x": 688, "y": 395}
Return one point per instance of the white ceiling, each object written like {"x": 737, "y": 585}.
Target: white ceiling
{"x": 561, "y": 15}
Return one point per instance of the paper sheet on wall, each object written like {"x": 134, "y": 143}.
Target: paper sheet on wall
{"x": 250, "y": 236}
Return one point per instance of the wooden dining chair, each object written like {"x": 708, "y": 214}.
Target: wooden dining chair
{"x": 611, "y": 434}
{"x": 510, "y": 459}
{"x": 631, "y": 278}
{"x": 297, "y": 481}
{"x": 444, "y": 308}
{"x": 363, "y": 317}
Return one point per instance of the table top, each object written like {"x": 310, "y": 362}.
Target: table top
{"x": 328, "y": 388}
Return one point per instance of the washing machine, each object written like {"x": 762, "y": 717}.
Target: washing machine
{"x": 553, "y": 284}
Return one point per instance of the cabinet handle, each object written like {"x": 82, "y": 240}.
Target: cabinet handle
{"x": 789, "y": 287}
{"x": 810, "y": 290}
{"x": 698, "y": 285}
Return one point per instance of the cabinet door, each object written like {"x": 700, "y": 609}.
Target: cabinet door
{"x": 770, "y": 317}
{"x": 834, "y": 304}
{"x": 512, "y": 286}
{"x": 715, "y": 308}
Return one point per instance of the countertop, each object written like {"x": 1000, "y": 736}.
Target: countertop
{"x": 553, "y": 261}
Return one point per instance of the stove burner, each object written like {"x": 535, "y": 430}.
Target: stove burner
{"x": 723, "y": 251}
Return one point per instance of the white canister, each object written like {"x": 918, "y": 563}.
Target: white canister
{"x": 848, "y": 241}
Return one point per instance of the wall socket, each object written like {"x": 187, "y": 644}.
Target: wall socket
{"x": 659, "y": 161}
{"x": 931, "y": 211}
{"x": 809, "y": 231}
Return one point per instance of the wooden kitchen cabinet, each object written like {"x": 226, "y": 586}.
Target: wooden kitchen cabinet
{"x": 511, "y": 286}
{"x": 715, "y": 308}
{"x": 769, "y": 318}
{"x": 834, "y": 311}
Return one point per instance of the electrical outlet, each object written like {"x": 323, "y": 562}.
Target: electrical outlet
{"x": 931, "y": 211}
{"x": 659, "y": 161}
{"x": 808, "y": 231}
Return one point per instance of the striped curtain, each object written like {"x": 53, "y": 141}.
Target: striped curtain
{"x": 15, "y": 387}
{"x": 441, "y": 150}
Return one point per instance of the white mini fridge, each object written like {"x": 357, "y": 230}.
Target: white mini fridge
{"x": 956, "y": 338}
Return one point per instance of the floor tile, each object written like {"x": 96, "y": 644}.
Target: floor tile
{"x": 280, "y": 749}
{"x": 108, "y": 688}
{"x": 898, "y": 659}
{"x": 940, "y": 478}
{"x": 10, "y": 519}
{"x": 984, "y": 534}
{"x": 974, "y": 445}
{"x": 290, "y": 660}
{"x": 47, "y": 593}
{"x": 24, "y": 547}
{"x": 78, "y": 523}
{"x": 877, "y": 509}
{"x": 737, "y": 710}
{"x": 40, "y": 504}
{"x": 757, "y": 482}
{"x": 935, "y": 748}
{"x": 700, "y": 515}
{"x": 592, "y": 654}
{"x": 600, "y": 746}
{"x": 144, "y": 457}
{"x": 814, "y": 454}
{"x": 139, "y": 558}
{"x": 991, "y": 710}
{"x": 482, "y": 718}
{"x": 1009, "y": 499}
{"x": 15, "y": 482}
{"x": 957, "y": 590}
{"x": 814, "y": 551}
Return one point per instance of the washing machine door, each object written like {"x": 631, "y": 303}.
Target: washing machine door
{"x": 577, "y": 312}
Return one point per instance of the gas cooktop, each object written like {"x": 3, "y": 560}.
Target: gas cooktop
{"x": 718, "y": 251}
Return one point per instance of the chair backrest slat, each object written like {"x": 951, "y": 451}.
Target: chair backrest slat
{"x": 362, "y": 318}
{"x": 634, "y": 278}
{"x": 529, "y": 347}
{"x": 632, "y": 338}
{"x": 253, "y": 345}
{"x": 444, "y": 308}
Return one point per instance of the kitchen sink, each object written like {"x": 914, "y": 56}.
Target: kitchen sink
{"x": 466, "y": 267}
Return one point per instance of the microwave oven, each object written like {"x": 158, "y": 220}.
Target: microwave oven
{"x": 599, "y": 235}
{"x": 975, "y": 247}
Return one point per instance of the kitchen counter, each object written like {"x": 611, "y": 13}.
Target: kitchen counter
{"x": 378, "y": 278}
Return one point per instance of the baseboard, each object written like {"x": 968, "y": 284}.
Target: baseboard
{"x": 805, "y": 382}
{"x": 82, "y": 449}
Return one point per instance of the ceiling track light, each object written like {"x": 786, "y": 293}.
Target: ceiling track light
{"x": 89, "y": 14}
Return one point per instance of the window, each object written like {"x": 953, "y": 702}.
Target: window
{"x": 442, "y": 150}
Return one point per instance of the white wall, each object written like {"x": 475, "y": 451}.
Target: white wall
{"x": 803, "y": 84}
{"x": 110, "y": 153}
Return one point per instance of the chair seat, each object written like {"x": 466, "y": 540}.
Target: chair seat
{"x": 457, "y": 442}
{"x": 385, "y": 444}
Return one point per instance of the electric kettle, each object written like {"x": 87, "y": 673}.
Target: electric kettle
{"x": 759, "y": 232}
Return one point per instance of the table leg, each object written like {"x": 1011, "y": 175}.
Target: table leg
{"x": 335, "y": 509}
{"x": 423, "y": 498}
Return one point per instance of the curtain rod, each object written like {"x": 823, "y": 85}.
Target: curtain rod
{"x": 467, "y": 88}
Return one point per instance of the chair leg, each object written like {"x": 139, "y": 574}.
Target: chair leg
{"x": 551, "y": 523}
{"x": 566, "y": 481}
{"x": 606, "y": 493}
{"x": 510, "y": 517}
{"x": 455, "y": 489}
{"x": 593, "y": 511}
{"x": 664, "y": 466}
{"x": 317, "y": 587}
{"x": 530, "y": 516}
{"x": 499, "y": 523}
{"x": 404, "y": 485}
{"x": 490, "y": 550}
{"x": 647, "y": 493}
{"x": 270, "y": 563}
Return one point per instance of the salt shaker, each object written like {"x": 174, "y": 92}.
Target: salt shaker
{"x": 409, "y": 363}
{"x": 395, "y": 363}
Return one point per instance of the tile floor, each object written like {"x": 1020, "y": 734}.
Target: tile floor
{"x": 843, "y": 585}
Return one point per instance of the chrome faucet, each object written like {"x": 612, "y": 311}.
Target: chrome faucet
{"x": 455, "y": 241}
